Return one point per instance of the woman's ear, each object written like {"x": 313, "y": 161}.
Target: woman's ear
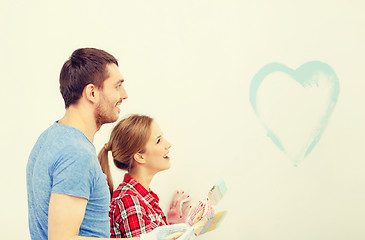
{"x": 139, "y": 158}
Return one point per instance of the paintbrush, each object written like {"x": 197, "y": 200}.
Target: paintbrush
{"x": 212, "y": 223}
{"x": 217, "y": 192}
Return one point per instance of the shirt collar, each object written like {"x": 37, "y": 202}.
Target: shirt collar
{"x": 150, "y": 196}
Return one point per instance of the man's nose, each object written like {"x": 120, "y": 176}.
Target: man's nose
{"x": 124, "y": 94}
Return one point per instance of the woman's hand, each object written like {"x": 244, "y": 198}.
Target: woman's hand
{"x": 179, "y": 208}
{"x": 192, "y": 231}
{"x": 170, "y": 232}
{"x": 203, "y": 209}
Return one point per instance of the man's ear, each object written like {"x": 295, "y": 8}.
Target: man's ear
{"x": 91, "y": 93}
{"x": 139, "y": 158}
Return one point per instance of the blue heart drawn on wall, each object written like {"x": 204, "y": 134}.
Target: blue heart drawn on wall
{"x": 314, "y": 74}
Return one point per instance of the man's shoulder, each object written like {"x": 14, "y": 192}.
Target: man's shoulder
{"x": 65, "y": 146}
{"x": 68, "y": 135}
{"x": 62, "y": 139}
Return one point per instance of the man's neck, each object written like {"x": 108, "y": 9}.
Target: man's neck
{"x": 81, "y": 119}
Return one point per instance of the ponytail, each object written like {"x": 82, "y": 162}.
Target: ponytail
{"x": 104, "y": 163}
{"x": 127, "y": 138}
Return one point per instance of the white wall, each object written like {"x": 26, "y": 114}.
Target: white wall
{"x": 189, "y": 64}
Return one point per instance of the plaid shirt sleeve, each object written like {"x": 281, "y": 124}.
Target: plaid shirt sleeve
{"x": 127, "y": 218}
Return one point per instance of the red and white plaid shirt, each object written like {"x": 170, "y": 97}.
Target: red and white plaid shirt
{"x": 134, "y": 210}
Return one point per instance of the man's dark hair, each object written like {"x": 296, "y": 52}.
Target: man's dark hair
{"x": 85, "y": 66}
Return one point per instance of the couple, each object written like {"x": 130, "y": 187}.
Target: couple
{"x": 68, "y": 194}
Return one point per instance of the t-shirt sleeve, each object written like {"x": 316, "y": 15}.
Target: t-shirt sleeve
{"x": 72, "y": 174}
{"x": 128, "y": 218}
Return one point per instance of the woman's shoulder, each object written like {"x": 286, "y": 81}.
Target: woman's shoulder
{"x": 124, "y": 191}
{"x": 127, "y": 201}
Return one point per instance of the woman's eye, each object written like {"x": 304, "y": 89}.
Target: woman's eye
{"x": 158, "y": 141}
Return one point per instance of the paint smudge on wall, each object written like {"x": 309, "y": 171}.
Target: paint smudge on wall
{"x": 295, "y": 113}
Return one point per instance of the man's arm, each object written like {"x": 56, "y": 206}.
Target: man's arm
{"x": 65, "y": 215}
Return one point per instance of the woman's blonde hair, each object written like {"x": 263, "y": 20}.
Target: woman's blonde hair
{"x": 127, "y": 138}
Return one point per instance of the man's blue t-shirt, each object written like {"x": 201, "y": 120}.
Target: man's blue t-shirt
{"x": 63, "y": 160}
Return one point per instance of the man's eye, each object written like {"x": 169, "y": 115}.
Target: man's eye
{"x": 158, "y": 141}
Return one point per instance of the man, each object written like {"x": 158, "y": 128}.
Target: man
{"x": 68, "y": 195}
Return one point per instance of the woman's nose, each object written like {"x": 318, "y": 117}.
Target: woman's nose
{"x": 168, "y": 145}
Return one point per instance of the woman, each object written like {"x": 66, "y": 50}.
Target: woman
{"x": 137, "y": 146}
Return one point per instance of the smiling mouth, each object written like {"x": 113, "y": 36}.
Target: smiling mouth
{"x": 166, "y": 157}
{"x": 118, "y": 103}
